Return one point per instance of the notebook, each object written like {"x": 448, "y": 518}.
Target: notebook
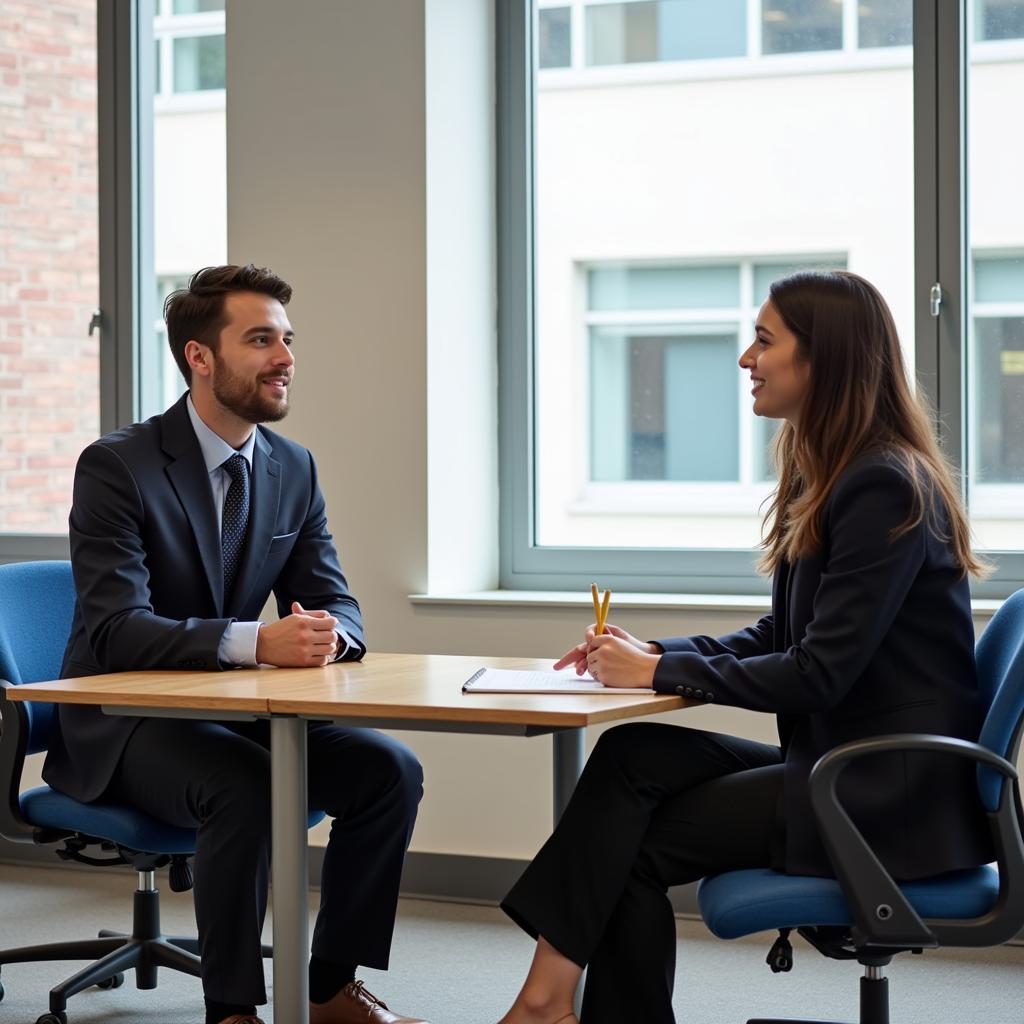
{"x": 506, "y": 680}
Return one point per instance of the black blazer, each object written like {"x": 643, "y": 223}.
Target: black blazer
{"x": 145, "y": 551}
{"x": 870, "y": 636}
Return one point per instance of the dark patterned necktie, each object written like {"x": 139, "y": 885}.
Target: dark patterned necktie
{"x": 234, "y": 519}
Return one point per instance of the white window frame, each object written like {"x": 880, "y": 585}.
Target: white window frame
{"x": 168, "y": 27}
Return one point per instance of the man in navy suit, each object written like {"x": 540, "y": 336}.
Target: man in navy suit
{"x": 181, "y": 528}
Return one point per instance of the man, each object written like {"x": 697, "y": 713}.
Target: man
{"x": 180, "y": 529}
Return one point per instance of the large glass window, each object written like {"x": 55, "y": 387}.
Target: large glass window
{"x": 994, "y": 415}
{"x": 798, "y": 26}
{"x": 658, "y": 30}
{"x": 189, "y": 213}
{"x": 189, "y": 37}
{"x": 49, "y": 263}
{"x": 663, "y": 210}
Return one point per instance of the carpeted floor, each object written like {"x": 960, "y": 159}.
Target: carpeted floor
{"x": 459, "y": 964}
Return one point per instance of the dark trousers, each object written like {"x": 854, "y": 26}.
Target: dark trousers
{"x": 657, "y": 805}
{"x": 215, "y": 777}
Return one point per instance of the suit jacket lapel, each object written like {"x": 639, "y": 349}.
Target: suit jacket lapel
{"x": 191, "y": 481}
{"x": 264, "y": 497}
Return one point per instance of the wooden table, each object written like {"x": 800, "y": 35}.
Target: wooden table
{"x": 393, "y": 691}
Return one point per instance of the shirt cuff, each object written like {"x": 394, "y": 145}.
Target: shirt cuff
{"x": 238, "y": 644}
{"x": 345, "y": 643}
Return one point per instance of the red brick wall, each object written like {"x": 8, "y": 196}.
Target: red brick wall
{"x": 49, "y": 367}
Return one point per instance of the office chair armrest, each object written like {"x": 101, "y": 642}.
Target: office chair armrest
{"x": 13, "y": 747}
{"x": 882, "y": 914}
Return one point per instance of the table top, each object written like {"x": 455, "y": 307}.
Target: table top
{"x": 400, "y": 687}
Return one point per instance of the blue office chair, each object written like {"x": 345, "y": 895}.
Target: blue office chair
{"x": 864, "y": 915}
{"x": 36, "y": 604}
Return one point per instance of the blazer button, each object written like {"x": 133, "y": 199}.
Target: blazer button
{"x": 687, "y": 691}
{"x": 699, "y": 694}
{"x": 679, "y": 690}
{"x": 709, "y": 696}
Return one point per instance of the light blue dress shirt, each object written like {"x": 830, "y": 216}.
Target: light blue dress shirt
{"x": 238, "y": 644}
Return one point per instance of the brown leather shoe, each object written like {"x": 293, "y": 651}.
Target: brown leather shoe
{"x": 355, "y": 1005}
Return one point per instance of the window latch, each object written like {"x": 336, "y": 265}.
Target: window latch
{"x": 935, "y": 298}
{"x": 96, "y": 322}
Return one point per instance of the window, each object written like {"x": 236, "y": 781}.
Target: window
{"x": 658, "y": 208}
{"x": 680, "y": 32}
{"x": 660, "y": 30}
{"x": 796, "y": 26}
{"x": 998, "y": 19}
{"x": 884, "y": 23}
{"x": 49, "y": 263}
{"x": 554, "y": 37}
{"x": 189, "y": 36}
{"x": 188, "y": 205}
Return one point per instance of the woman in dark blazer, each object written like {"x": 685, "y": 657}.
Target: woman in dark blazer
{"x": 870, "y": 633}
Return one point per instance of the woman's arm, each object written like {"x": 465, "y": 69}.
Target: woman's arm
{"x": 866, "y": 578}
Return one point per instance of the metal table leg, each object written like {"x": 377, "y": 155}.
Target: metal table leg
{"x": 569, "y": 755}
{"x": 290, "y": 869}
{"x": 568, "y": 763}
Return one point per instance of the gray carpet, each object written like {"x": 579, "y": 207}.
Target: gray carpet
{"x": 458, "y": 964}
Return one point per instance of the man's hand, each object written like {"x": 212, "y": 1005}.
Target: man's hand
{"x": 301, "y": 640}
{"x": 577, "y": 656}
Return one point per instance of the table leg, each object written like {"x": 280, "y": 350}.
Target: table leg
{"x": 290, "y": 869}
{"x": 568, "y": 763}
{"x": 569, "y": 756}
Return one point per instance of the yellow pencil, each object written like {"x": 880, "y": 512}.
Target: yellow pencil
{"x": 604, "y": 610}
{"x": 597, "y": 607}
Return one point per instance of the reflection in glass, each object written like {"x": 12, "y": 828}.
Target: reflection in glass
{"x": 633, "y": 287}
{"x": 663, "y": 30}
{"x": 799, "y": 26}
{"x": 665, "y": 406}
{"x": 198, "y": 63}
{"x": 197, "y": 6}
{"x": 885, "y": 23}
{"x": 554, "y": 37}
{"x": 998, "y": 19}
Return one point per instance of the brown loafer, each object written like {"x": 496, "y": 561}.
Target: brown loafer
{"x": 355, "y": 1005}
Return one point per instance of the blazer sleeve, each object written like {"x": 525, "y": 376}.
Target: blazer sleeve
{"x": 746, "y": 643}
{"x": 866, "y": 577}
{"x": 112, "y": 580}
{"x": 313, "y": 577}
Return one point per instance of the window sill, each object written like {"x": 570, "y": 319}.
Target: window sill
{"x": 980, "y": 607}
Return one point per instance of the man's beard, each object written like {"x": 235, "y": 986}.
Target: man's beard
{"x": 244, "y": 398}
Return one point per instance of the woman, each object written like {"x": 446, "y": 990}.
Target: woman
{"x": 870, "y": 633}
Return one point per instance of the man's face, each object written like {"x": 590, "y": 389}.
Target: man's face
{"x": 253, "y": 367}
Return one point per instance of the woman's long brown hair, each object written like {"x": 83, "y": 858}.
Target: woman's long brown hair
{"x": 859, "y": 400}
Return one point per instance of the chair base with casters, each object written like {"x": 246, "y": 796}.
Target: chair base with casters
{"x": 36, "y": 602}
{"x": 863, "y": 914}
{"x": 145, "y": 949}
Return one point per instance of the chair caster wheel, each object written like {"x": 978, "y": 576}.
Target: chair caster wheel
{"x": 114, "y": 982}
{"x": 53, "y": 1018}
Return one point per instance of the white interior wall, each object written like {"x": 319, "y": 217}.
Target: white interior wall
{"x": 332, "y": 139}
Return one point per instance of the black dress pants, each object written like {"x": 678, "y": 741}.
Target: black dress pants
{"x": 657, "y": 805}
{"x": 215, "y": 777}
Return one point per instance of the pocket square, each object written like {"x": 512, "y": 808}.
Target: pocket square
{"x": 282, "y": 536}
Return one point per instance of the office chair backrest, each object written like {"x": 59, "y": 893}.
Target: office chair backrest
{"x": 37, "y": 600}
{"x": 1000, "y": 655}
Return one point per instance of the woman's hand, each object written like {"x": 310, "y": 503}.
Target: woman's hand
{"x": 577, "y": 656}
{"x": 615, "y": 661}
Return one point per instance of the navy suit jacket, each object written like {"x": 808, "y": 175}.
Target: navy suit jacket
{"x": 146, "y": 556}
{"x": 870, "y": 636}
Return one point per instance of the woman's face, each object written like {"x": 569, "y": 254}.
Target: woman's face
{"x": 779, "y": 378}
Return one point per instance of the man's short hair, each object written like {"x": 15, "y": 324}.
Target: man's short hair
{"x": 197, "y": 311}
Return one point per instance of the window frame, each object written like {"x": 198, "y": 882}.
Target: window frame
{"x": 940, "y": 67}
